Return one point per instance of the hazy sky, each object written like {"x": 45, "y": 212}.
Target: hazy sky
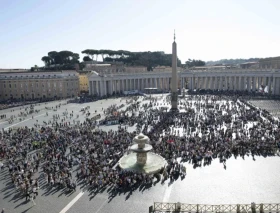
{"x": 205, "y": 29}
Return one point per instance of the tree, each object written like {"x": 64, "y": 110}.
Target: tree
{"x": 103, "y": 53}
{"x": 91, "y": 53}
{"x": 52, "y": 55}
{"x": 75, "y": 58}
{"x": 65, "y": 56}
{"x": 194, "y": 63}
{"x": 47, "y": 60}
{"x": 35, "y": 68}
{"x": 87, "y": 58}
{"x": 64, "y": 59}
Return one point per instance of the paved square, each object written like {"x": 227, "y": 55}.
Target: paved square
{"x": 243, "y": 180}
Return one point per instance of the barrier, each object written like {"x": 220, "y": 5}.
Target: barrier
{"x": 159, "y": 207}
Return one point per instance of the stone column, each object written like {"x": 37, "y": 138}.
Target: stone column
{"x": 269, "y": 85}
{"x": 274, "y": 85}
{"x": 105, "y": 87}
{"x": 111, "y": 87}
{"x": 134, "y": 85}
{"x": 214, "y": 82}
{"x": 226, "y": 83}
{"x": 259, "y": 82}
{"x": 90, "y": 87}
{"x": 122, "y": 85}
{"x": 101, "y": 88}
{"x": 221, "y": 83}
{"x": 248, "y": 84}
{"x": 240, "y": 83}
{"x": 232, "y": 83}
{"x": 235, "y": 85}
{"x": 254, "y": 84}
{"x": 193, "y": 83}
{"x": 277, "y": 86}
{"x": 243, "y": 83}
{"x": 211, "y": 85}
{"x": 203, "y": 82}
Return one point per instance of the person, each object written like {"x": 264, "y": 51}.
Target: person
{"x": 1, "y": 166}
{"x": 3, "y": 210}
{"x": 27, "y": 195}
{"x": 32, "y": 199}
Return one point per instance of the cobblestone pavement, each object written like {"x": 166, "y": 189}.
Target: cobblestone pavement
{"x": 272, "y": 106}
{"x": 243, "y": 181}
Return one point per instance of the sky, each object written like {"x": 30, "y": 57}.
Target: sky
{"x": 205, "y": 29}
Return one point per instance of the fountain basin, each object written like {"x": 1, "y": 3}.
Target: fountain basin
{"x": 154, "y": 163}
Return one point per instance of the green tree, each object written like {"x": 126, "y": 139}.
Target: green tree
{"x": 91, "y": 53}
{"x": 52, "y": 55}
{"x": 47, "y": 60}
{"x": 194, "y": 63}
{"x": 87, "y": 58}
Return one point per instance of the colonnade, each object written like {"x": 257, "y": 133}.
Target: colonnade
{"x": 238, "y": 81}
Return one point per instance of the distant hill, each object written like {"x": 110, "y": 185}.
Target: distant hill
{"x": 231, "y": 61}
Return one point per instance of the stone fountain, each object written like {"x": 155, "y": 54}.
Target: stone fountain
{"x": 141, "y": 159}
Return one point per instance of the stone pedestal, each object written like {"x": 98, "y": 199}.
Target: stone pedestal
{"x": 141, "y": 158}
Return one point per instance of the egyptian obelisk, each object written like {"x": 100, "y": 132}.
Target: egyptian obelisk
{"x": 174, "y": 81}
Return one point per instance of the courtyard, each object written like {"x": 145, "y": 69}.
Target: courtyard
{"x": 244, "y": 180}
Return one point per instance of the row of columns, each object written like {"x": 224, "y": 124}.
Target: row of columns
{"x": 234, "y": 83}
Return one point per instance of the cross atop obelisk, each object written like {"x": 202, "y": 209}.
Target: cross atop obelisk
{"x": 174, "y": 81}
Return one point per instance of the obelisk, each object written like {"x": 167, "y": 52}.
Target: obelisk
{"x": 174, "y": 81}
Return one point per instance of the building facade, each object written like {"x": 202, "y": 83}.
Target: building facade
{"x": 270, "y": 62}
{"x": 232, "y": 79}
{"x": 38, "y": 85}
{"x": 83, "y": 82}
{"x": 114, "y": 68}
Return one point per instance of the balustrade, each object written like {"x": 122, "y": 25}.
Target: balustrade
{"x": 227, "y": 208}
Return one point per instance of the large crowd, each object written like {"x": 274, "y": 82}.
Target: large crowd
{"x": 60, "y": 155}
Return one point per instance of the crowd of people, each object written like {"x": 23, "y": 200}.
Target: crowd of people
{"x": 207, "y": 127}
